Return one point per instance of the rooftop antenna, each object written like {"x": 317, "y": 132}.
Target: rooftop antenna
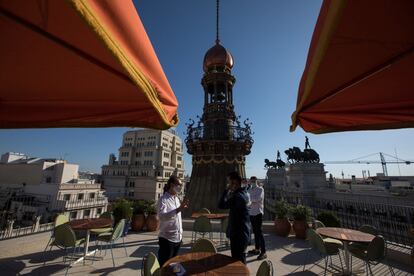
{"x": 217, "y": 21}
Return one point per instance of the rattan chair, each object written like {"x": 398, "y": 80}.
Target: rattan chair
{"x": 98, "y": 231}
{"x": 326, "y": 248}
{"x": 265, "y": 269}
{"x": 372, "y": 255}
{"x": 204, "y": 245}
{"x": 318, "y": 224}
{"x": 204, "y": 211}
{"x": 150, "y": 265}
{"x": 223, "y": 231}
{"x": 202, "y": 226}
{"x": 59, "y": 220}
{"x": 65, "y": 238}
{"x": 110, "y": 238}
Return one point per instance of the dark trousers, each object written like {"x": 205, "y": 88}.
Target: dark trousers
{"x": 238, "y": 248}
{"x": 259, "y": 241}
{"x": 167, "y": 250}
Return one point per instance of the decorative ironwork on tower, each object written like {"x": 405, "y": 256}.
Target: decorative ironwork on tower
{"x": 218, "y": 141}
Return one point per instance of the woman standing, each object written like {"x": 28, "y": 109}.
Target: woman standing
{"x": 169, "y": 213}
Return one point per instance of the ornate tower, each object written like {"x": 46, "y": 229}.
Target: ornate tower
{"x": 218, "y": 142}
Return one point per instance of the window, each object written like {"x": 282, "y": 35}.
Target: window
{"x": 165, "y": 164}
{"x": 48, "y": 179}
{"x": 148, "y": 153}
{"x": 66, "y": 197}
{"x": 86, "y": 213}
{"x": 92, "y": 195}
{"x": 179, "y": 158}
{"x": 179, "y": 166}
{"x": 99, "y": 211}
{"x": 132, "y": 184}
{"x": 148, "y": 163}
{"x": 138, "y": 154}
{"x": 131, "y": 194}
{"x": 159, "y": 185}
{"x": 166, "y": 154}
{"x": 80, "y": 196}
{"x": 73, "y": 215}
{"x": 167, "y": 174}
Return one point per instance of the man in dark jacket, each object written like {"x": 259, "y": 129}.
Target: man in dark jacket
{"x": 236, "y": 199}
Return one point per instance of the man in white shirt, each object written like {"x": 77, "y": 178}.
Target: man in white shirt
{"x": 171, "y": 226}
{"x": 256, "y": 193}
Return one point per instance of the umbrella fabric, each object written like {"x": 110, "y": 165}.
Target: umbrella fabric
{"x": 80, "y": 63}
{"x": 359, "y": 73}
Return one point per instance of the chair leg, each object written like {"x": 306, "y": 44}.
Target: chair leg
{"x": 106, "y": 248}
{"x": 370, "y": 271}
{"x": 45, "y": 251}
{"x": 96, "y": 249}
{"x": 391, "y": 270}
{"x": 70, "y": 262}
{"x": 326, "y": 265}
{"x": 306, "y": 261}
{"x": 112, "y": 254}
{"x": 340, "y": 260}
{"x": 123, "y": 242}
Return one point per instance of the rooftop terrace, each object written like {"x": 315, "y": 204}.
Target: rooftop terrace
{"x": 24, "y": 255}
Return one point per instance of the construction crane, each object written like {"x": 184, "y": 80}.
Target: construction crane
{"x": 381, "y": 161}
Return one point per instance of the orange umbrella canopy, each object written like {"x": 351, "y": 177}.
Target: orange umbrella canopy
{"x": 80, "y": 63}
{"x": 359, "y": 74}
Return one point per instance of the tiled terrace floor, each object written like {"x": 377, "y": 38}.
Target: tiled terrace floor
{"x": 23, "y": 256}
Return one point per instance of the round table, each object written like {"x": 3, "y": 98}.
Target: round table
{"x": 345, "y": 235}
{"x": 88, "y": 224}
{"x": 220, "y": 216}
{"x": 206, "y": 263}
{"x": 210, "y": 216}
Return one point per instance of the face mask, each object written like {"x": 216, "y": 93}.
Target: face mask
{"x": 177, "y": 189}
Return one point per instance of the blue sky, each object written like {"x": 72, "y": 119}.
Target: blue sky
{"x": 269, "y": 40}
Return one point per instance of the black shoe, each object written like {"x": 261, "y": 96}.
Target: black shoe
{"x": 254, "y": 252}
{"x": 262, "y": 256}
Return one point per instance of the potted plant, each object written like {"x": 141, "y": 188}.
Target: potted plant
{"x": 282, "y": 224}
{"x": 123, "y": 210}
{"x": 153, "y": 221}
{"x": 138, "y": 217}
{"x": 329, "y": 219}
{"x": 300, "y": 215}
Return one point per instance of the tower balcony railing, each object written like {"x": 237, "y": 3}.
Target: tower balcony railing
{"x": 231, "y": 133}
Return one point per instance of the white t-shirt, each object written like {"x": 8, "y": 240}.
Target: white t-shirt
{"x": 257, "y": 200}
{"x": 171, "y": 226}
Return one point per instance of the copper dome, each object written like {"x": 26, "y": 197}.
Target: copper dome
{"x": 217, "y": 56}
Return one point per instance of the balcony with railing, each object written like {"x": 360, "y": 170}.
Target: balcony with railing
{"x": 83, "y": 203}
{"x": 233, "y": 133}
{"x": 288, "y": 255}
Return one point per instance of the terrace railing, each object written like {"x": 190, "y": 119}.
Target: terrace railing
{"x": 10, "y": 232}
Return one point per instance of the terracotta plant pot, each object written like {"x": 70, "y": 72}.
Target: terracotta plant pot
{"x": 282, "y": 227}
{"x": 152, "y": 223}
{"x": 300, "y": 227}
{"x": 138, "y": 222}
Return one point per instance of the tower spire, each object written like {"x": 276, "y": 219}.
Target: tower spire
{"x": 217, "y": 21}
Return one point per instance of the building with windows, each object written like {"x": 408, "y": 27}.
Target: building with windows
{"x": 386, "y": 202}
{"x": 32, "y": 187}
{"x": 146, "y": 159}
